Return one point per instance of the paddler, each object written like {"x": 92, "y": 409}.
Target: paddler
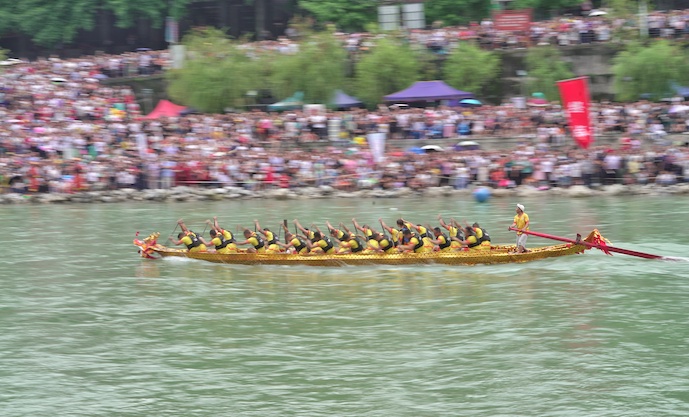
{"x": 269, "y": 237}
{"x": 309, "y": 234}
{"x": 396, "y": 234}
{"x": 371, "y": 242}
{"x": 293, "y": 241}
{"x": 189, "y": 239}
{"x": 321, "y": 244}
{"x": 444, "y": 243}
{"x": 480, "y": 232}
{"x": 412, "y": 242}
{"x": 454, "y": 232}
{"x": 342, "y": 237}
{"x": 471, "y": 242}
{"x": 352, "y": 245}
{"x": 222, "y": 239}
{"x": 385, "y": 244}
{"x": 257, "y": 243}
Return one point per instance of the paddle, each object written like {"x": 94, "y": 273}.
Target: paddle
{"x": 602, "y": 246}
{"x": 174, "y": 230}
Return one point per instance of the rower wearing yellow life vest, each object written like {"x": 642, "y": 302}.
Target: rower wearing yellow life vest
{"x": 321, "y": 244}
{"x": 296, "y": 242}
{"x": 385, "y": 244}
{"x": 454, "y": 232}
{"x": 471, "y": 242}
{"x": 444, "y": 243}
{"x": 371, "y": 244}
{"x": 270, "y": 238}
{"x": 189, "y": 239}
{"x": 424, "y": 234}
{"x": 348, "y": 243}
{"x": 222, "y": 239}
{"x": 412, "y": 242}
{"x": 396, "y": 234}
{"x": 309, "y": 234}
{"x": 257, "y": 243}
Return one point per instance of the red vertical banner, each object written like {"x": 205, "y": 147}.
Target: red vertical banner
{"x": 576, "y": 101}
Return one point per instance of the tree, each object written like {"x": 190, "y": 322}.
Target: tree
{"x": 317, "y": 70}
{"x": 350, "y": 16}
{"x": 154, "y": 10}
{"x": 389, "y": 67}
{"x": 51, "y": 23}
{"x": 471, "y": 68}
{"x": 456, "y": 12}
{"x": 545, "y": 67}
{"x": 218, "y": 74}
{"x": 651, "y": 69}
{"x": 546, "y": 8}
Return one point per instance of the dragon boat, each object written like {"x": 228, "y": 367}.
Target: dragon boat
{"x": 500, "y": 254}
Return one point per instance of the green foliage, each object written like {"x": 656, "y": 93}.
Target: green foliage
{"x": 456, "y": 12}
{"x": 127, "y": 11}
{"x": 221, "y": 72}
{"x": 390, "y": 66}
{"x": 649, "y": 70}
{"x": 350, "y": 16}
{"x": 218, "y": 74}
{"x": 545, "y": 67}
{"x": 317, "y": 70}
{"x": 544, "y": 6}
{"x": 621, "y": 7}
{"x": 471, "y": 68}
{"x": 52, "y": 22}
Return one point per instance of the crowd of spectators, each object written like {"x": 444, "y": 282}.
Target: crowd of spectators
{"x": 63, "y": 130}
{"x": 574, "y": 29}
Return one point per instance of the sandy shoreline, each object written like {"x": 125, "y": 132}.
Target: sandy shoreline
{"x": 234, "y": 193}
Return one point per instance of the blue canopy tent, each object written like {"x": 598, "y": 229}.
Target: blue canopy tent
{"x": 342, "y": 101}
{"x": 680, "y": 90}
{"x": 425, "y": 91}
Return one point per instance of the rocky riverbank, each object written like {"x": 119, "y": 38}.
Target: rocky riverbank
{"x": 235, "y": 193}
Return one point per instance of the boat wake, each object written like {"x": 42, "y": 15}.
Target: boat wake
{"x": 675, "y": 259}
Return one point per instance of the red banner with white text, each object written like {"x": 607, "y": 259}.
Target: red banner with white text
{"x": 576, "y": 102}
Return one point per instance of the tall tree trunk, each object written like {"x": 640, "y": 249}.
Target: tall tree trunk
{"x": 223, "y": 13}
{"x": 260, "y": 13}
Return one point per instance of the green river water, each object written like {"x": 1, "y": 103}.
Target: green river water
{"x": 88, "y": 328}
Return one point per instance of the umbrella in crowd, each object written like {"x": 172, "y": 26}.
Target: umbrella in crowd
{"x": 537, "y": 102}
{"x": 595, "y": 13}
{"x": 416, "y": 150}
{"x": 467, "y": 145}
{"x": 470, "y": 102}
{"x": 432, "y": 148}
{"x": 678, "y": 108}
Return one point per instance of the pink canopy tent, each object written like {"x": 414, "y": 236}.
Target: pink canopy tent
{"x": 165, "y": 108}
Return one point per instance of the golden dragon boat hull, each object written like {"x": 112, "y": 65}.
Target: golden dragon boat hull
{"x": 496, "y": 255}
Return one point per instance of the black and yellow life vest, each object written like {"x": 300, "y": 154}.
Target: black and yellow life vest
{"x": 194, "y": 240}
{"x": 272, "y": 240}
{"x": 223, "y": 242}
{"x": 261, "y": 242}
{"x": 419, "y": 239}
{"x": 328, "y": 244}
{"x": 387, "y": 247}
{"x": 359, "y": 247}
{"x": 447, "y": 243}
{"x": 301, "y": 244}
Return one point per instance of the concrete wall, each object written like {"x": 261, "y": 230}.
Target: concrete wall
{"x": 594, "y": 61}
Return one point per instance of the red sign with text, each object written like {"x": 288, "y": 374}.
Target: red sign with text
{"x": 576, "y": 102}
{"x": 512, "y": 20}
